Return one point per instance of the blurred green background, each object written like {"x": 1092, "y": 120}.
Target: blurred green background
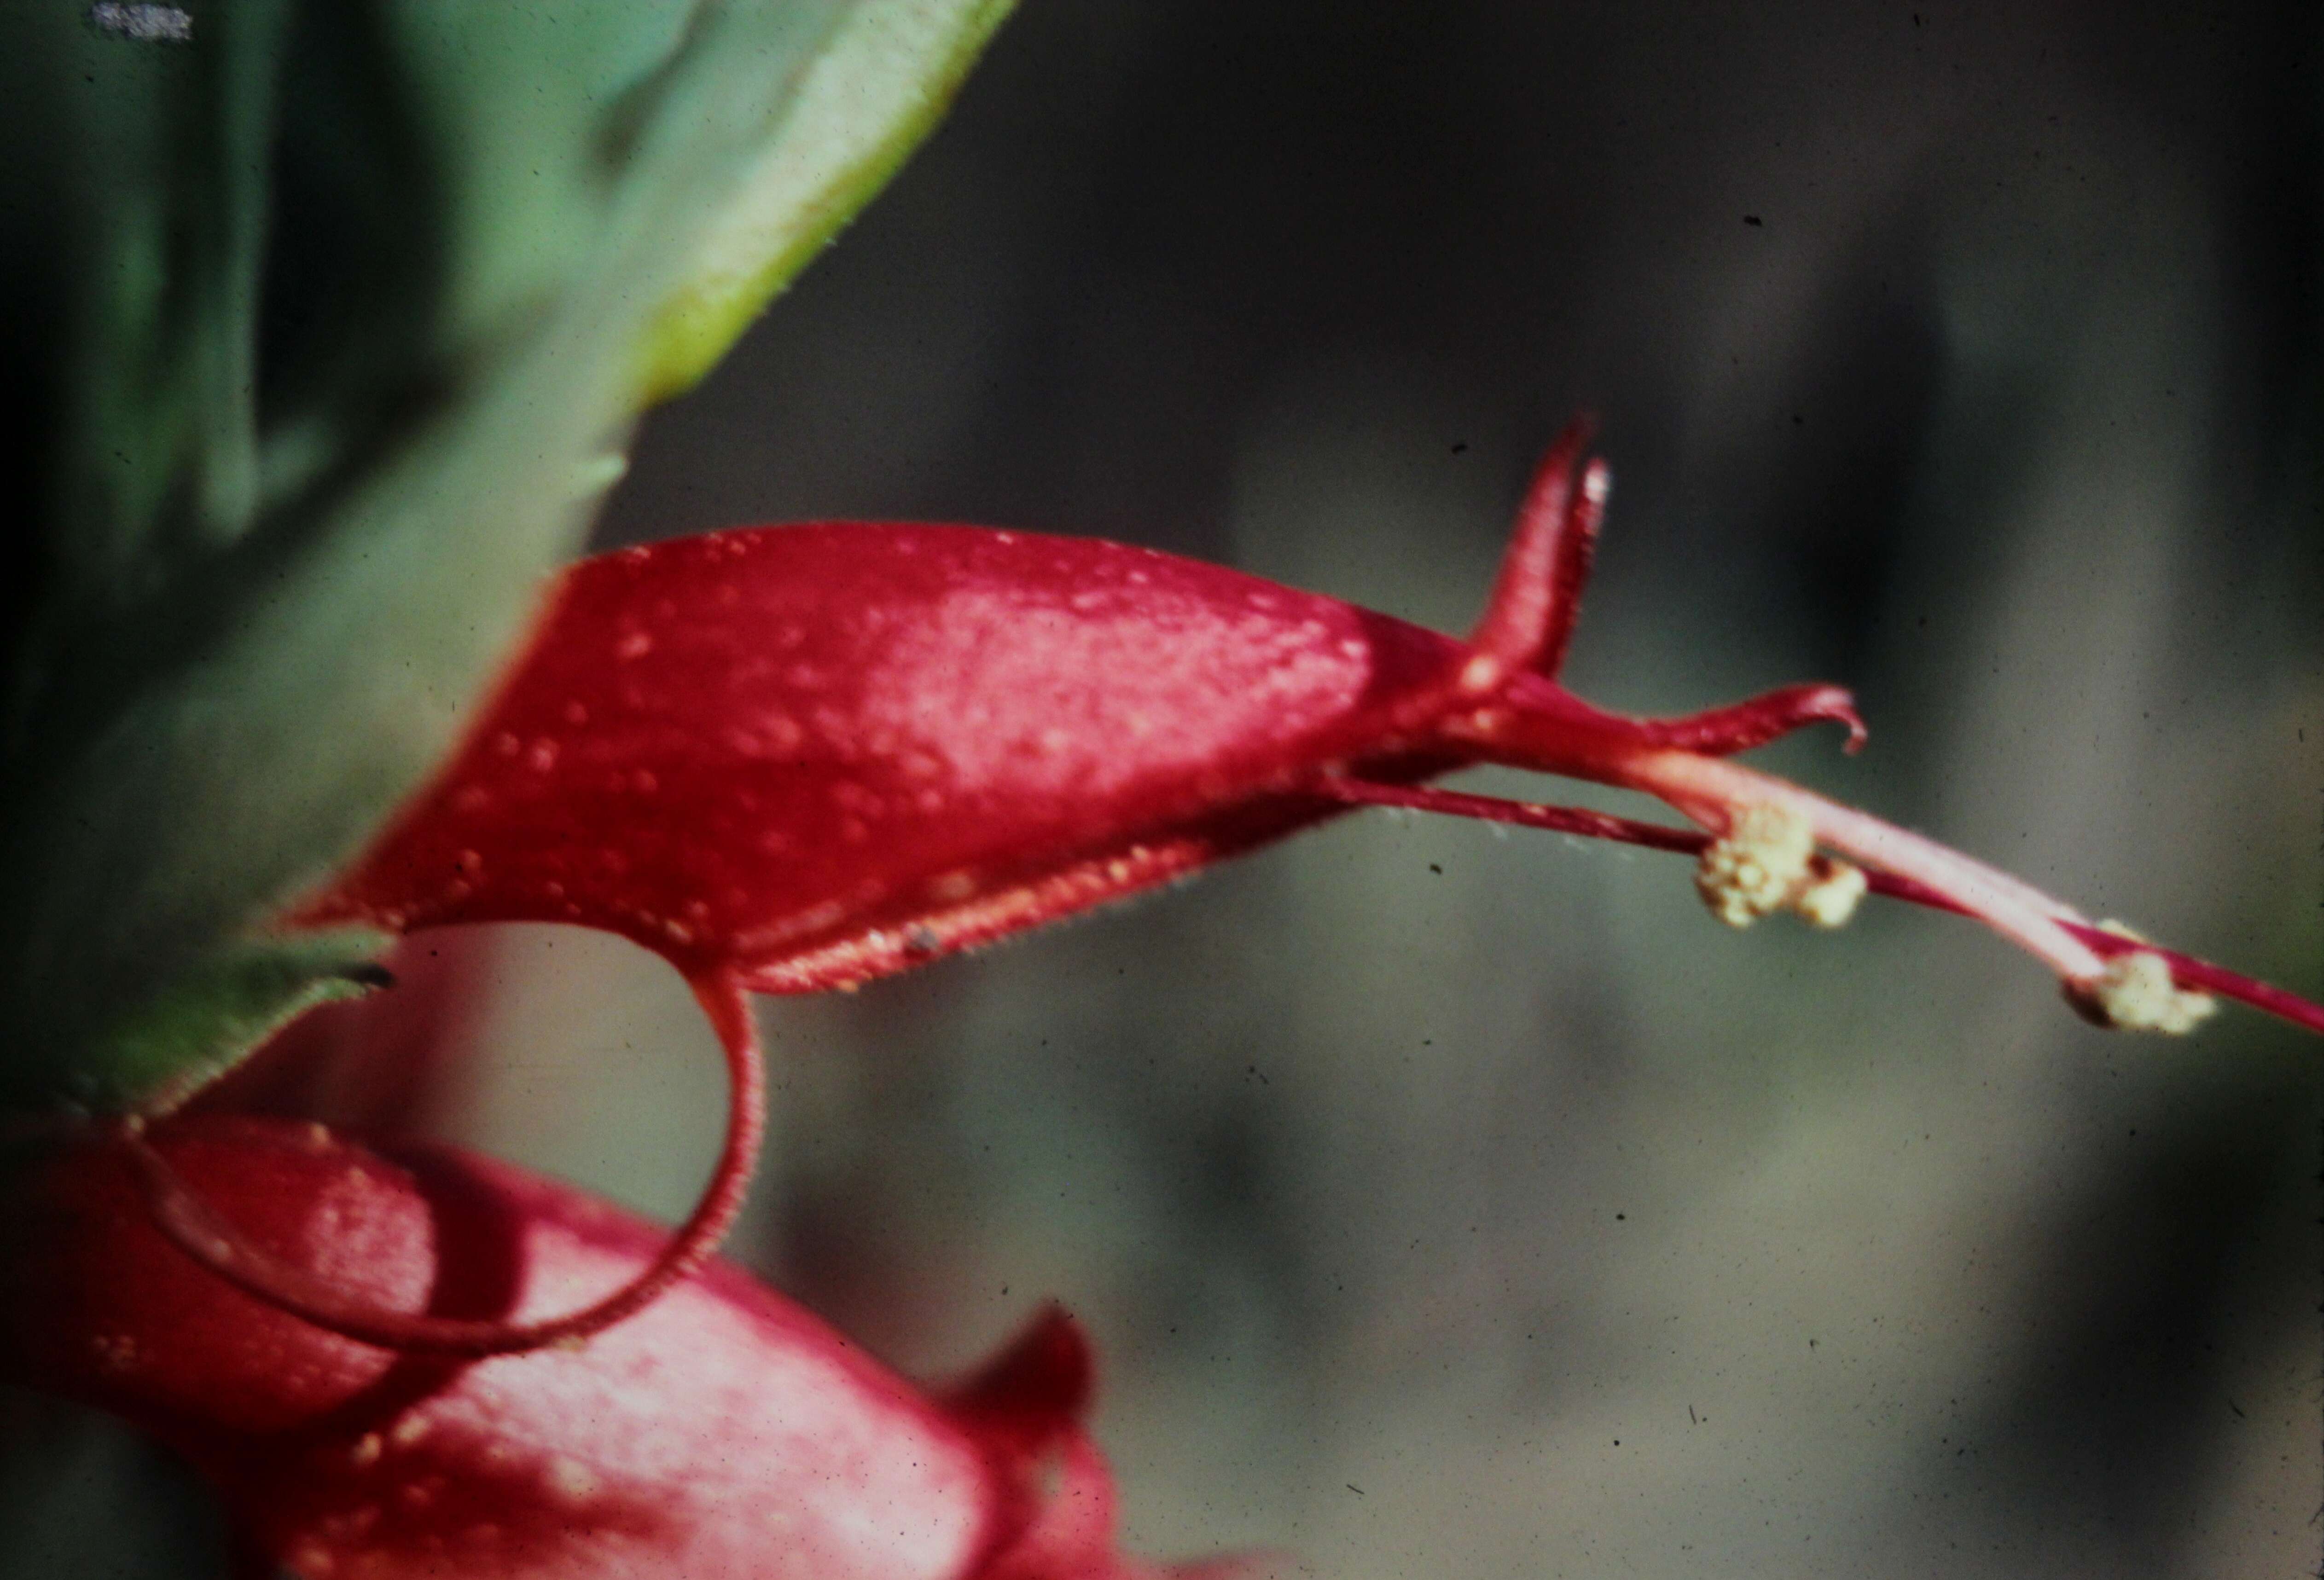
{"x": 1453, "y": 1204}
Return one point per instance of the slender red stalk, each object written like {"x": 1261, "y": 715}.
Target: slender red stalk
{"x": 202, "y": 1232}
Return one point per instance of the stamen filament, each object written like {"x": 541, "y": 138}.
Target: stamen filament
{"x": 2187, "y": 971}
{"x": 1710, "y": 790}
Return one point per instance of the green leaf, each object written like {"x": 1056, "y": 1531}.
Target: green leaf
{"x": 334, "y": 315}
{"x": 886, "y": 79}
{"x": 211, "y": 1017}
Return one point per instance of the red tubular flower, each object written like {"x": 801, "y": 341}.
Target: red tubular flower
{"x": 796, "y": 757}
{"x": 803, "y": 757}
{"x": 722, "y": 1434}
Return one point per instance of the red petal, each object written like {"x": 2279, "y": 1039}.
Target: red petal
{"x": 722, "y": 1432}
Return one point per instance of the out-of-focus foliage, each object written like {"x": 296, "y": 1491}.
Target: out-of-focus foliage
{"x": 329, "y": 320}
{"x": 858, "y": 117}
{"x": 162, "y": 1050}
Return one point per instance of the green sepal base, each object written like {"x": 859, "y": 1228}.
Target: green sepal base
{"x": 219, "y": 1012}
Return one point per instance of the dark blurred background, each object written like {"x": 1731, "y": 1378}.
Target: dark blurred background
{"x": 1450, "y": 1205}
{"x": 1968, "y": 357}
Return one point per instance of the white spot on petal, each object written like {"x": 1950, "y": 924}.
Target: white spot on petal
{"x": 569, "y": 1480}
{"x": 1481, "y": 674}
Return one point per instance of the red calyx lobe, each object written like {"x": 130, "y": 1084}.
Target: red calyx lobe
{"x": 722, "y": 1432}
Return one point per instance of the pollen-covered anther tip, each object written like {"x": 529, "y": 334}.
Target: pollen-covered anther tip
{"x": 2134, "y": 993}
{"x": 1829, "y": 896}
{"x": 1761, "y": 865}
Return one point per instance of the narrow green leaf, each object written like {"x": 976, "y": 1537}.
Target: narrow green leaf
{"x": 333, "y": 311}
{"x": 887, "y": 78}
{"x": 169, "y": 1046}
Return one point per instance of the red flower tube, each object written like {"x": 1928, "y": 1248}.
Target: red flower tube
{"x": 722, "y": 1434}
